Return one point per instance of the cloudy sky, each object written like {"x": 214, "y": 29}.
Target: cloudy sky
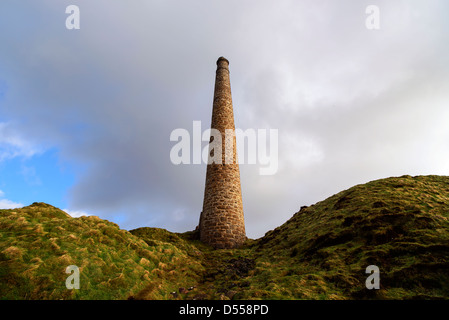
{"x": 86, "y": 115}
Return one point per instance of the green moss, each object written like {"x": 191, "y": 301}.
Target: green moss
{"x": 399, "y": 224}
{"x": 393, "y": 223}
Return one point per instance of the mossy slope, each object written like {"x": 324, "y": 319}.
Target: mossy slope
{"x": 399, "y": 224}
{"x": 38, "y": 242}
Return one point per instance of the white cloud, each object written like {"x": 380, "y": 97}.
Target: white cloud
{"x": 8, "y": 204}
{"x": 76, "y": 213}
{"x": 13, "y": 145}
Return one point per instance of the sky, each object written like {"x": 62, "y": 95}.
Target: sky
{"x": 86, "y": 114}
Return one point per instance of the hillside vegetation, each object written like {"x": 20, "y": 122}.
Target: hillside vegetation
{"x": 401, "y": 225}
{"x": 38, "y": 242}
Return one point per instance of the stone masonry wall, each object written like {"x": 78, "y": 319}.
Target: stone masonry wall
{"x": 221, "y": 222}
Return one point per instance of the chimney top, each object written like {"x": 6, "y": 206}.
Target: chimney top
{"x": 222, "y": 59}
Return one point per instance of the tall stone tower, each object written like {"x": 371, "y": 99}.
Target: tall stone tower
{"x": 221, "y": 222}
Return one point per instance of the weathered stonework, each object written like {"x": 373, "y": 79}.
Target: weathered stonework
{"x": 222, "y": 223}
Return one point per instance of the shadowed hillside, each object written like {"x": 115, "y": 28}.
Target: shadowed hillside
{"x": 398, "y": 224}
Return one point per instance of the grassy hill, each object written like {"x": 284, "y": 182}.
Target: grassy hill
{"x": 399, "y": 224}
{"x": 38, "y": 242}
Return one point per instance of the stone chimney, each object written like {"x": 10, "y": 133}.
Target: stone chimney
{"x": 222, "y": 223}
